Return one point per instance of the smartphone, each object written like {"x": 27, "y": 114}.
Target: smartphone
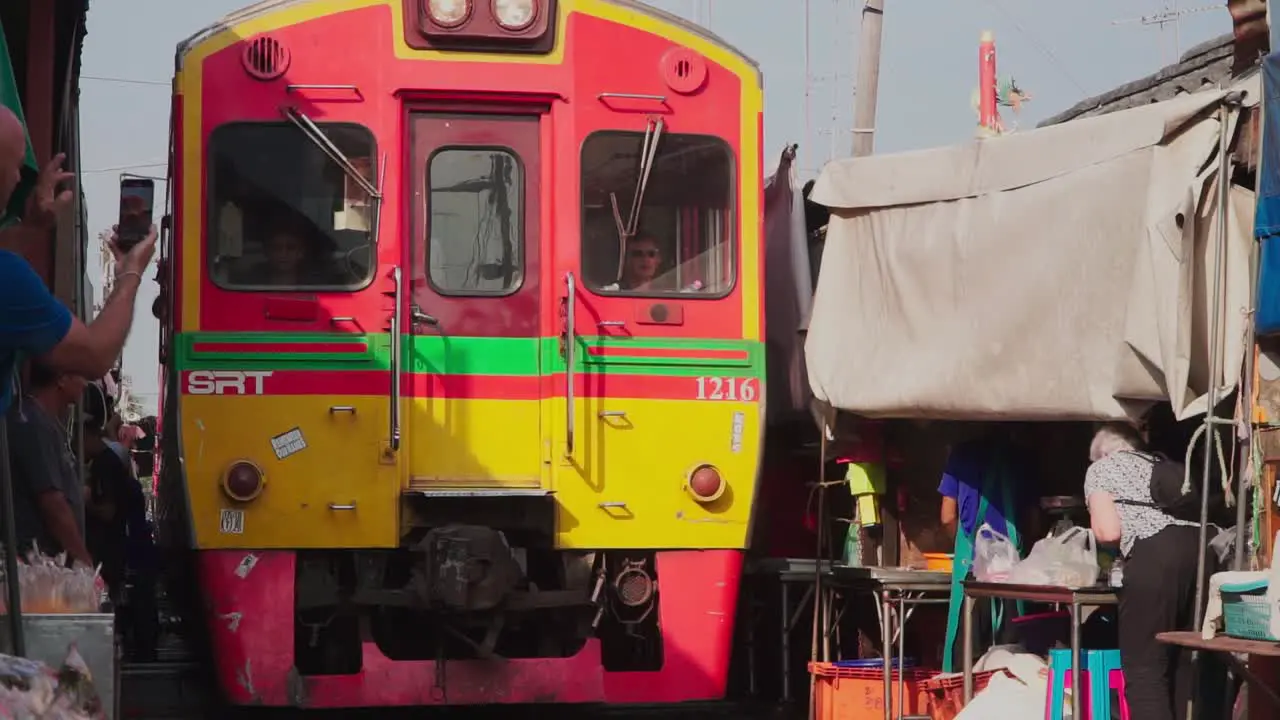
{"x": 137, "y": 201}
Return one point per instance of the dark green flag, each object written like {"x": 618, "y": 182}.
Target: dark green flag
{"x": 30, "y": 171}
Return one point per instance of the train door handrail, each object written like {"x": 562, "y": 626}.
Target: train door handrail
{"x": 570, "y": 343}
{"x": 396, "y": 318}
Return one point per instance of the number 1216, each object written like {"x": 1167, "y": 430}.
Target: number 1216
{"x": 728, "y": 388}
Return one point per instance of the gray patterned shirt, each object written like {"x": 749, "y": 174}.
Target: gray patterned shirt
{"x": 1128, "y": 477}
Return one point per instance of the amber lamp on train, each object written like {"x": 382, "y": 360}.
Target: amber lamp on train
{"x": 705, "y": 484}
{"x": 449, "y": 13}
{"x": 460, "y": 21}
{"x": 515, "y": 15}
{"x": 243, "y": 481}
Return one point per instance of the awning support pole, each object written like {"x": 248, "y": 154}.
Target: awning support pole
{"x": 1215, "y": 345}
{"x": 1230, "y": 101}
{"x": 17, "y": 642}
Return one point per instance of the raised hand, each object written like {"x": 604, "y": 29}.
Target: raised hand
{"x": 51, "y": 193}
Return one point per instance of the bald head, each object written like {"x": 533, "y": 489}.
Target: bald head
{"x": 13, "y": 149}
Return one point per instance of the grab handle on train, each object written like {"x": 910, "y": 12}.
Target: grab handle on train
{"x": 397, "y": 318}
{"x": 569, "y": 358}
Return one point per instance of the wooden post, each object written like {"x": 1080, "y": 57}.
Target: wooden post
{"x": 864, "y": 100}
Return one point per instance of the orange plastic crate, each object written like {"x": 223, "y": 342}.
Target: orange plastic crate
{"x": 946, "y": 694}
{"x": 858, "y": 694}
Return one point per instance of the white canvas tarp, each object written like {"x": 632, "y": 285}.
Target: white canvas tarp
{"x": 789, "y": 288}
{"x": 1060, "y": 273}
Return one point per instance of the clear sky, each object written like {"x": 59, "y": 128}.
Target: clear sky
{"x": 1059, "y": 52}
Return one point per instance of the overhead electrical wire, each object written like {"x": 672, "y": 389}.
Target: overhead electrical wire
{"x": 1039, "y": 45}
{"x": 122, "y": 168}
{"x": 126, "y": 81}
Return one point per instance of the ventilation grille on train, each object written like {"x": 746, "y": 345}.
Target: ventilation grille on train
{"x": 684, "y": 70}
{"x": 265, "y": 58}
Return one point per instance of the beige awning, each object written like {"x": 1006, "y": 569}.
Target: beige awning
{"x": 1059, "y": 273}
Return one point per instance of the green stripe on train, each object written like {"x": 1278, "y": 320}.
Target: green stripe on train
{"x": 473, "y": 355}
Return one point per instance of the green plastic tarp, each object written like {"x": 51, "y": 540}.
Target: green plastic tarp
{"x": 9, "y": 98}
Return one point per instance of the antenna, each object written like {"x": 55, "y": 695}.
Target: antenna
{"x": 808, "y": 90}
{"x": 1170, "y": 15}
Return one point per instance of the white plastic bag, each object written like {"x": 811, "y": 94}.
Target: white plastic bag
{"x": 1068, "y": 560}
{"x": 994, "y": 555}
{"x": 1005, "y": 697}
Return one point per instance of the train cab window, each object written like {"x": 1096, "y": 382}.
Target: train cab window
{"x": 285, "y": 216}
{"x": 681, "y": 237}
{"x": 475, "y": 208}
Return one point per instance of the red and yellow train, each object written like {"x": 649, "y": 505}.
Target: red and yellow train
{"x": 463, "y": 350}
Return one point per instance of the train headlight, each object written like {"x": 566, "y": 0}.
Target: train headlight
{"x": 448, "y": 13}
{"x": 705, "y": 484}
{"x": 515, "y": 15}
{"x": 243, "y": 481}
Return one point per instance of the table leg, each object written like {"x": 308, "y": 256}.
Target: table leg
{"x": 1077, "y": 690}
{"x": 1253, "y": 680}
{"x": 902, "y": 654}
{"x": 967, "y": 660}
{"x": 886, "y": 652}
{"x": 786, "y": 642}
{"x": 827, "y": 625}
{"x": 752, "y": 617}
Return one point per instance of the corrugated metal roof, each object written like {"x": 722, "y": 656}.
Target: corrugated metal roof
{"x": 1205, "y": 65}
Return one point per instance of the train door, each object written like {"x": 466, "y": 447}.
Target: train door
{"x": 291, "y": 321}
{"x": 664, "y": 374}
{"x": 475, "y": 314}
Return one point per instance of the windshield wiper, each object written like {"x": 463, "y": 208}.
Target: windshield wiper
{"x": 322, "y": 141}
{"x": 648, "y": 153}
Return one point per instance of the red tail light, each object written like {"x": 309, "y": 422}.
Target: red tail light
{"x": 243, "y": 481}
{"x": 705, "y": 484}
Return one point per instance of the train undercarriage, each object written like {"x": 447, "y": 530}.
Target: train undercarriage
{"x": 465, "y": 592}
{"x": 468, "y": 613}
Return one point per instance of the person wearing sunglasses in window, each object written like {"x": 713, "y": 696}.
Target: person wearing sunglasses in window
{"x": 643, "y": 261}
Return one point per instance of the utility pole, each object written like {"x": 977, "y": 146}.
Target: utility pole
{"x": 864, "y": 100}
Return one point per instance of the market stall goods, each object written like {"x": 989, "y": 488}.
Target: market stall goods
{"x": 31, "y": 690}
{"x": 49, "y": 587}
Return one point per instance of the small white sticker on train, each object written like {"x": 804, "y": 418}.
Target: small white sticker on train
{"x": 231, "y": 522}
{"x": 227, "y": 382}
{"x": 288, "y": 443}
{"x": 739, "y": 423}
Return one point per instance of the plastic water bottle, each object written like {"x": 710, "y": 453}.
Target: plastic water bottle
{"x": 852, "y": 555}
{"x": 1117, "y": 574}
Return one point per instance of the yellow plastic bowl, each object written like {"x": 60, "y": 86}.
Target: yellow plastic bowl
{"x": 938, "y": 561}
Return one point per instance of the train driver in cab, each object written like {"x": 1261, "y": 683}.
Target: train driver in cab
{"x": 293, "y": 260}
{"x": 643, "y": 262}
{"x": 640, "y": 267}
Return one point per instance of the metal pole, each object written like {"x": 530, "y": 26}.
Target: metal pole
{"x": 819, "y": 620}
{"x": 1250, "y": 361}
{"x": 17, "y": 642}
{"x": 864, "y": 101}
{"x": 1215, "y": 367}
{"x": 1215, "y": 344}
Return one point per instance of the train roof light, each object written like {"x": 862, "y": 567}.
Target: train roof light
{"x": 515, "y": 15}
{"x": 448, "y": 13}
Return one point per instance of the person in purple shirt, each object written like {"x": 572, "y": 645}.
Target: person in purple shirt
{"x": 968, "y": 466}
{"x": 33, "y": 323}
{"x": 961, "y": 485}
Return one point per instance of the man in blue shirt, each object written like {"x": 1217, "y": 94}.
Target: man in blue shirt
{"x": 961, "y": 486}
{"x": 995, "y": 467}
{"x": 33, "y": 323}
